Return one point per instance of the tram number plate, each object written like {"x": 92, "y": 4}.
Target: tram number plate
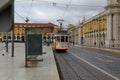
{"x": 63, "y": 44}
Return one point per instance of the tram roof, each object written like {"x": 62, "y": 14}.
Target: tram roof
{"x": 59, "y": 33}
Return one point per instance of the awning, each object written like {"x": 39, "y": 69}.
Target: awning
{"x": 6, "y": 15}
{"x": 4, "y": 4}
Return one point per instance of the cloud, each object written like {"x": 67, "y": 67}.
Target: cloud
{"x": 45, "y": 11}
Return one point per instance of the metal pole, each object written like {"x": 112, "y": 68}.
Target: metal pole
{"x": 26, "y": 52}
{"x": 12, "y": 11}
{"x": 6, "y": 42}
{"x": 26, "y": 46}
{"x": 60, "y": 21}
{"x": 12, "y": 42}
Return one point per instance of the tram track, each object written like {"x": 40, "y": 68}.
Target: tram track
{"x": 66, "y": 71}
{"x": 72, "y": 68}
{"x": 91, "y": 73}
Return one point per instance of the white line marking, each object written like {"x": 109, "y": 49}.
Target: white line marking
{"x": 107, "y": 55}
{"x": 103, "y": 59}
{"x": 110, "y": 75}
{"x": 112, "y": 57}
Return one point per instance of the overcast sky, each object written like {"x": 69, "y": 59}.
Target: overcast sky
{"x": 44, "y": 11}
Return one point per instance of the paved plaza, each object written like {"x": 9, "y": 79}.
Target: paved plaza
{"x": 13, "y": 68}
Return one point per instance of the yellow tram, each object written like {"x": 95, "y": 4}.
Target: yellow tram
{"x": 61, "y": 41}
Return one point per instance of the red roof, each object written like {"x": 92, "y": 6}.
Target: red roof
{"x": 35, "y": 24}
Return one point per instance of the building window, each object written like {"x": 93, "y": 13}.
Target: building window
{"x": 118, "y": 1}
{"x": 4, "y": 37}
{"x": 18, "y": 37}
{"x": 22, "y": 38}
{"x": 9, "y": 37}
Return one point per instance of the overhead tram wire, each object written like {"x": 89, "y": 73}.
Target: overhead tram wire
{"x": 29, "y": 12}
{"x": 22, "y": 18}
{"x": 59, "y": 4}
{"x": 66, "y": 8}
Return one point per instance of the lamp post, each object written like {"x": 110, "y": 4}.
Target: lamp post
{"x": 27, "y": 20}
{"x": 60, "y": 21}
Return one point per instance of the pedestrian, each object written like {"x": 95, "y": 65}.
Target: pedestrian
{"x": 48, "y": 43}
{"x": 101, "y": 43}
{"x": 73, "y": 42}
{"x": 94, "y": 43}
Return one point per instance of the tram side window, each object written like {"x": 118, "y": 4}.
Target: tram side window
{"x": 66, "y": 39}
{"x": 62, "y": 39}
{"x": 58, "y": 38}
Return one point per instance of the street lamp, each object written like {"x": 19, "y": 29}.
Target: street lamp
{"x": 60, "y": 21}
{"x": 27, "y": 20}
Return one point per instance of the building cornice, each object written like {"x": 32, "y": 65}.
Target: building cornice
{"x": 95, "y": 17}
{"x": 113, "y": 6}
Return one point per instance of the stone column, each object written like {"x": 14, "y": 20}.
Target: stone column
{"x": 79, "y": 36}
{"x": 89, "y": 39}
{"x": 116, "y": 28}
{"x": 109, "y": 30}
{"x": 97, "y": 39}
{"x": 113, "y": 23}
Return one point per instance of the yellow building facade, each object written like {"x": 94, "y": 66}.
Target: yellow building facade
{"x": 91, "y": 32}
{"x": 94, "y": 30}
{"x": 102, "y": 30}
{"x": 46, "y": 29}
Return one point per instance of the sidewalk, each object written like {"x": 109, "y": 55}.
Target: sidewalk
{"x": 14, "y": 68}
{"x": 106, "y": 49}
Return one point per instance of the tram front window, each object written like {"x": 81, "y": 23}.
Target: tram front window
{"x": 58, "y": 38}
{"x": 62, "y": 38}
{"x": 66, "y": 39}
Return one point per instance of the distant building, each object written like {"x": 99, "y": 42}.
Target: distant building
{"x": 46, "y": 29}
{"x": 102, "y": 30}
